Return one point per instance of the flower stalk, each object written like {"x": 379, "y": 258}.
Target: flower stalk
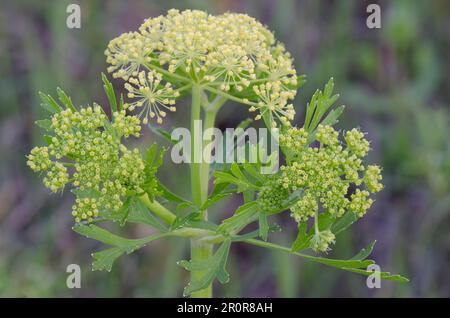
{"x": 200, "y": 251}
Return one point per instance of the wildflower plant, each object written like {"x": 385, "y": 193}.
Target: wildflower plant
{"x": 324, "y": 184}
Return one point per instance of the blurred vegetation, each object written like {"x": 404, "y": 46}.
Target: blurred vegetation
{"x": 395, "y": 84}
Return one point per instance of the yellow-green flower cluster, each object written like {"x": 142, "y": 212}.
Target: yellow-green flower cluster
{"x": 86, "y": 150}
{"x": 305, "y": 208}
{"x": 39, "y": 160}
{"x": 85, "y": 209}
{"x": 325, "y": 176}
{"x": 272, "y": 195}
{"x": 231, "y": 64}
{"x": 326, "y": 135}
{"x": 127, "y": 53}
{"x": 57, "y": 177}
{"x": 360, "y": 202}
{"x": 372, "y": 178}
{"x": 322, "y": 240}
{"x": 273, "y": 99}
{"x": 126, "y": 125}
{"x": 149, "y": 94}
{"x": 356, "y": 142}
{"x": 295, "y": 139}
{"x": 326, "y": 172}
{"x": 231, "y": 52}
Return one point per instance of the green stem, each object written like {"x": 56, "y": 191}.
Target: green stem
{"x": 200, "y": 251}
{"x": 198, "y": 196}
{"x": 158, "y": 209}
{"x": 230, "y": 97}
{"x": 210, "y": 119}
{"x": 167, "y": 73}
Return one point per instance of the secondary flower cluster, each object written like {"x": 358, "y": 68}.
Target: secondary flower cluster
{"x": 86, "y": 151}
{"x": 231, "y": 52}
{"x": 325, "y": 175}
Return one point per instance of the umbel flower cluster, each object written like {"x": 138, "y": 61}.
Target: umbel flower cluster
{"x": 325, "y": 174}
{"x": 85, "y": 150}
{"x": 230, "y": 53}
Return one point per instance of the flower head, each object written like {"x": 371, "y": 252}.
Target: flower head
{"x": 321, "y": 241}
{"x": 273, "y": 99}
{"x": 127, "y": 54}
{"x": 149, "y": 94}
{"x": 86, "y": 151}
{"x": 360, "y": 202}
{"x": 231, "y": 52}
{"x": 356, "y": 142}
{"x": 322, "y": 177}
{"x": 372, "y": 178}
{"x": 232, "y": 64}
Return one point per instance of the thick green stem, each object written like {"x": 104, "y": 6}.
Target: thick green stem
{"x": 158, "y": 209}
{"x": 196, "y": 142}
{"x": 199, "y": 183}
{"x": 210, "y": 117}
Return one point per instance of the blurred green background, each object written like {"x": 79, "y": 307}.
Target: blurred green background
{"x": 394, "y": 81}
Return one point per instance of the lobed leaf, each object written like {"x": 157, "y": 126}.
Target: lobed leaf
{"x": 244, "y": 215}
{"x": 49, "y": 103}
{"x": 109, "y": 90}
{"x": 214, "y": 267}
{"x": 65, "y": 99}
{"x": 104, "y": 260}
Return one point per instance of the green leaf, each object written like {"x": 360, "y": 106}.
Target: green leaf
{"x": 48, "y": 139}
{"x": 49, "y": 103}
{"x": 365, "y": 252}
{"x": 221, "y": 188}
{"x": 162, "y": 133}
{"x": 109, "y": 90}
{"x": 326, "y": 261}
{"x": 253, "y": 171}
{"x": 44, "y": 123}
{"x": 302, "y": 240}
{"x": 153, "y": 160}
{"x": 186, "y": 206}
{"x": 154, "y": 157}
{"x": 214, "y": 199}
{"x": 236, "y": 177}
{"x": 320, "y": 103}
{"x": 139, "y": 213}
{"x": 383, "y": 275}
{"x": 225, "y": 177}
{"x": 325, "y": 221}
{"x": 170, "y": 196}
{"x": 358, "y": 266}
{"x": 310, "y": 109}
{"x": 104, "y": 260}
{"x": 236, "y": 171}
{"x": 97, "y": 233}
{"x": 343, "y": 222}
{"x": 65, "y": 99}
{"x": 244, "y": 215}
{"x": 263, "y": 226}
{"x": 182, "y": 221}
{"x": 332, "y": 117}
{"x": 214, "y": 267}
